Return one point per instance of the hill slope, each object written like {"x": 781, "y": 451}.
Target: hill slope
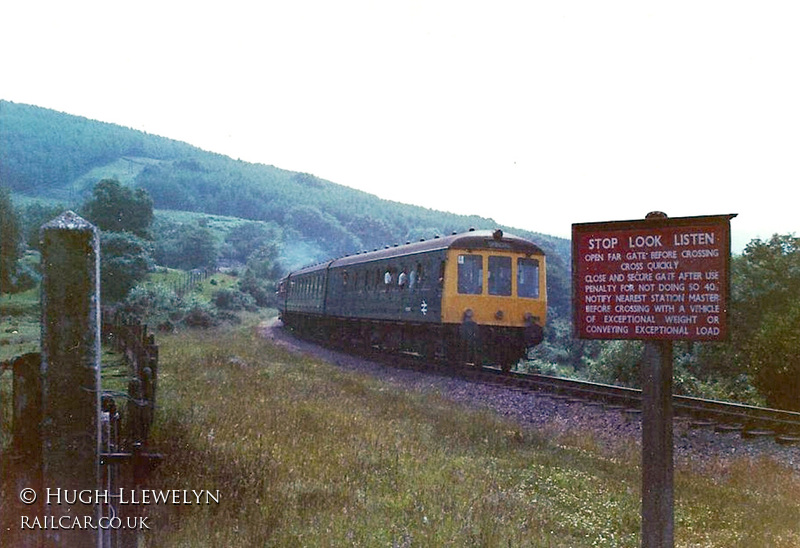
{"x": 47, "y": 154}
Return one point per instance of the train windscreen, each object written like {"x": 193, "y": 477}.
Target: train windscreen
{"x": 528, "y": 278}
{"x": 499, "y": 275}
{"x": 470, "y": 274}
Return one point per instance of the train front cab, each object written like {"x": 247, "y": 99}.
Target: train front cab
{"x": 497, "y": 302}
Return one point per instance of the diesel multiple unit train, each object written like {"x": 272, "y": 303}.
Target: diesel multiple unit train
{"x": 476, "y": 297}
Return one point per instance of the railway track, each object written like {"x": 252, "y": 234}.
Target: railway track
{"x": 750, "y": 421}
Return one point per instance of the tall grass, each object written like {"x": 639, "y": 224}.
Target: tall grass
{"x": 306, "y": 454}
{"x": 19, "y": 323}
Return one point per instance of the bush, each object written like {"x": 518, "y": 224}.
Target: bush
{"x": 153, "y": 304}
{"x": 200, "y": 314}
{"x": 262, "y": 292}
{"x": 232, "y": 299}
{"x": 125, "y": 260}
{"x": 185, "y": 246}
{"x": 619, "y": 362}
{"x": 26, "y": 277}
{"x": 158, "y": 305}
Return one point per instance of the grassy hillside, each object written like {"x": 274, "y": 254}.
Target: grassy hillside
{"x": 55, "y": 156}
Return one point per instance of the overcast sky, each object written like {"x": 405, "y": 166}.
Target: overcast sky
{"x": 538, "y": 114}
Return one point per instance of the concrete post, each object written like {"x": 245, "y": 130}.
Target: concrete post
{"x": 70, "y": 375}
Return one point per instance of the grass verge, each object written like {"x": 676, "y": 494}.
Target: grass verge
{"x": 306, "y": 454}
{"x": 19, "y": 323}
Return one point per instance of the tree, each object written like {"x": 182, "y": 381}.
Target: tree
{"x": 373, "y": 233}
{"x": 185, "y": 246}
{"x": 775, "y": 358}
{"x": 125, "y": 260}
{"x": 34, "y": 216}
{"x": 766, "y": 279}
{"x": 261, "y": 274}
{"x": 248, "y": 238}
{"x": 10, "y": 243}
{"x": 314, "y": 224}
{"x": 197, "y": 247}
{"x": 766, "y": 319}
{"x": 117, "y": 208}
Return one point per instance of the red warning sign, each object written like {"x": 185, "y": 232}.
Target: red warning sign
{"x": 664, "y": 278}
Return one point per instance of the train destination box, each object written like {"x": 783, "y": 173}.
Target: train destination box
{"x": 654, "y": 279}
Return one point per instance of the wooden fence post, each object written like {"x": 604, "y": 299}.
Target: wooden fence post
{"x": 70, "y": 375}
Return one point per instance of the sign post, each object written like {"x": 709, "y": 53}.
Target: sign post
{"x": 657, "y": 462}
{"x": 656, "y": 280}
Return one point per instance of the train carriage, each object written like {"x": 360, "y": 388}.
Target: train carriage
{"x": 478, "y": 296}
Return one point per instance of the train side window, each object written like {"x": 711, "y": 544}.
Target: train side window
{"x": 470, "y": 274}
{"x": 499, "y": 275}
{"x": 402, "y": 278}
{"x": 415, "y": 277}
{"x": 528, "y": 278}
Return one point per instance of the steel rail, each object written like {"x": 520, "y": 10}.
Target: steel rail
{"x": 748, "y": 418}
{"x": 751, "y": 420}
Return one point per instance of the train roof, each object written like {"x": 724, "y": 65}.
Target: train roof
{"x": 472, "y": 240}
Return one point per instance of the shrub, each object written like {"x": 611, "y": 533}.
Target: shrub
{"x": 232, "y": 299}
{"x": 125, "y": 261}
{"x": 26, "y": 277}
{"x": 619, "y": 362}
{"x": 200, "y": 314}
{"x": 263, "y": 292}
{"x": 152, "y": 303}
